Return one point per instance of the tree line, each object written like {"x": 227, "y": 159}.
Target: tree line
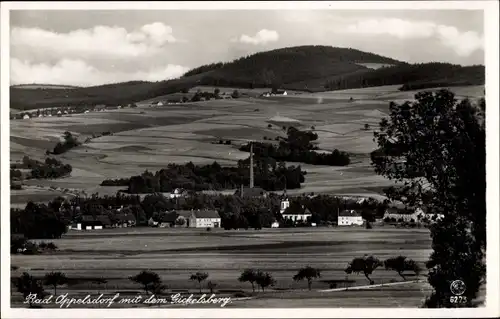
{"x": 50, "y": 168}
{"x": 298, "y": 147}
{"x": 268, "y": 175}
{"x": 414, "y": 76}
{"x": 68, "y": 143}
{"x": 51, "y": 220}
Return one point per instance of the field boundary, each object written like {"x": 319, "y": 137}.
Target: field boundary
{"x": 372, "y": 286}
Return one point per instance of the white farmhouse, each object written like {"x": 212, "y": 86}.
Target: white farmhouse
{"x": 349, "y": 218}
{"x": 298, "y": 217}
{"x": 26, "y": 117}
{"x": 205, "y": 219}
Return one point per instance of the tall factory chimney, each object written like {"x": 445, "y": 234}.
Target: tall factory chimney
{"x": 251, "y": 165}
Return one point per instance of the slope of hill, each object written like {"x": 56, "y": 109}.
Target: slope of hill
{"x": 307, "y": 68}
{"x": 36, "y": 86}
{"x": 412, "y": 76}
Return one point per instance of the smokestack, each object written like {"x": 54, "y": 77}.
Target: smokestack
{"x": 251, "y": 165}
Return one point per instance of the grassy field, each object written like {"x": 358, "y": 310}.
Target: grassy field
{"x": 176, "y": 253}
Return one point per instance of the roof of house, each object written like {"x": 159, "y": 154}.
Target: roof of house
{"x": 169, "y": 217}
{"x": 397, "y": 210}
{"x": 184, "y": 213}
{"x": 349, "y": 213}
{"x": 305, "y": 212}
{"x": 103, "y": 219}
{"x": 125, "y": 217}
{"x": 250, "y": 192}
{"x": 88, "y": 218}
{"x": 206, "y": 214}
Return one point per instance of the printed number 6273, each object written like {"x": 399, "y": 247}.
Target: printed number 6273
{"x": 458, "y": 299}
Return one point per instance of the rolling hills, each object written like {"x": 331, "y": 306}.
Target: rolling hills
{"x": 302, "y": 68}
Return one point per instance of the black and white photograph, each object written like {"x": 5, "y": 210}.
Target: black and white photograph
{"x": 258, "y": 159}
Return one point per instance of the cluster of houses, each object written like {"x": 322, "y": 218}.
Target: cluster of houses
{"x": 275, "y": 93}
{"x": 49, "y": 112}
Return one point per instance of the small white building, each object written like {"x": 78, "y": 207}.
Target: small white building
{"x": 275, "y": 225}
{"x": 349, "y": 218}
{"x": 205, "y": 219}
{"x": 178, "y": 192}
{"x": 26, "y": 117}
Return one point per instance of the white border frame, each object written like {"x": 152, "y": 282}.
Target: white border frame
{"x": 491, "y": 24}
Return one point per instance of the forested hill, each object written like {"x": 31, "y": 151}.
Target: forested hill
{"x": 307, "y": 68}
{"x": 288, "y": 65}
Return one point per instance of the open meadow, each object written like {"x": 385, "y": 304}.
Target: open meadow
{"x": 149, "y": 138}
{"x": 174, "y": 254}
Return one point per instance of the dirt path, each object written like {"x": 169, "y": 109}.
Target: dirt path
{"x": 372, "y": 286}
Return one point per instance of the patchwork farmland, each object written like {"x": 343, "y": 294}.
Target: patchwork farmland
{"x": 149, "y": 138}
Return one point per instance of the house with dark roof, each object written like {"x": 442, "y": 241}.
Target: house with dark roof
{"x": 167, "y": 219}
{"x": 349, "y": 218}
{"x": 125, "y": 220}
{"x": 251, "y": 192}
{"x": 183, "y": 218}
{"x": 89, "y": 222}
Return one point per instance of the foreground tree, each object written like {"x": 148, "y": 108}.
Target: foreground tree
{"x": 264, "y": 280}
{"x": 434, "y": 148}
{"x": 308, "y": 273}
{"x": 199, "y": 277}
{"x": 55, "y": 279}
{"x": 365, "y": 265}
{"x": 211, "y": 286}
{"x": 27, "y": 284}
{"x": 249, "y": 275}
{"x": 401, "y": 264}
{"x": 148, "y": 279}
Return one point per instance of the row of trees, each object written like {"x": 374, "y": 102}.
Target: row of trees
{"x": 21, "y": 245}
{"x": 151, "y": 282}
{"x": 298, "y": 147}
{"x": 268, "y": 175}
{"x": 51, "y": 168}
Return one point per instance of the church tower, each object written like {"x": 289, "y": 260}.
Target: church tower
{"x": 285, "y": 203}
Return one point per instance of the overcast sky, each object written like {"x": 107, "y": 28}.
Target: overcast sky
{"x": 96, "y": 47}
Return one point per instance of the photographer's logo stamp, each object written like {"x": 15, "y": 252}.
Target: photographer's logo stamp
{"x": 458, "y": 287}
